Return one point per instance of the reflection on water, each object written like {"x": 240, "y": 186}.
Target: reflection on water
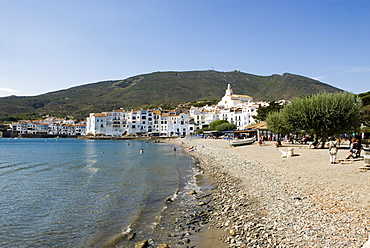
{"x": 90, "y": 158}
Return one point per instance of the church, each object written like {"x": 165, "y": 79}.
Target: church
{"x": 229, "y": 100}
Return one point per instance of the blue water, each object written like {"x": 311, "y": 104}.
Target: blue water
{"x": 78, "y": 193}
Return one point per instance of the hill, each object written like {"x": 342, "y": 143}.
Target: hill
{"x": 161, "y": 89}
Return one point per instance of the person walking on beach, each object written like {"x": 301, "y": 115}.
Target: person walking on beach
{"x": 333, "y": 150}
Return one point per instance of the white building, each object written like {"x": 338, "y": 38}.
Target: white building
{"x": 202, "y": 117}
{"x": 146, "y": 122}
{"x": 236, "y": 109}
{"x": 230, "y": 100}
{"x": 49, "y": 126}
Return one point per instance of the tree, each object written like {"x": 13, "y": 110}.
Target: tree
{"x": 225, "y": 127}
{"x": 365, "y": 98}
{"x": 263, "y": 112}
{"x": 201, "y": 131}
{"x": 276, "y": 123}
{"x": 215, "y": 123}
{"x": 221, "y": 125}
{"x": 324, "y": 115}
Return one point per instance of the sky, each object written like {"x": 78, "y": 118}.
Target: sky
{"x": 50, "y": 45}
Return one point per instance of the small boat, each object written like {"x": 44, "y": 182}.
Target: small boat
{"x": 242, "y": 142}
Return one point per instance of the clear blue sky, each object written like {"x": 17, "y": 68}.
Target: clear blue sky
{"x": 48, "y": 45}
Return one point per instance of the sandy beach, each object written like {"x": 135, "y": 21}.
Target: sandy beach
{"x": 262, "y": 200}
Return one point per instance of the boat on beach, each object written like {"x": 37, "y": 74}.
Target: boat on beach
{"x": 242, "y": 142}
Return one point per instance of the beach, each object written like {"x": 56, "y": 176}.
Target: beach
{"x": 260, "y": 199}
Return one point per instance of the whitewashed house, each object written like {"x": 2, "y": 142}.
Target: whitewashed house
{"x": 48, "y": 127}
{"x": 236, "y": 109}
{"x": 202, "y": 117}
{"x": 239, "y": 109}
{"x": 145, "y": 122}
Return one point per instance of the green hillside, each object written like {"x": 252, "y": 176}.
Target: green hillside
{"x": 161, "y": 88}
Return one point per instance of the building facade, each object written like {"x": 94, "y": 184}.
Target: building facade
{"x": 49, "y": 126}
{"x": 236, "y": 109}
{"x": 144, "y": 122}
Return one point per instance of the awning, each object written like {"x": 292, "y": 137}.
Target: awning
{"x": 241, "y": 131}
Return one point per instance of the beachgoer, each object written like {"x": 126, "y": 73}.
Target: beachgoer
{"x": 354, "y": 150}
{"x": 314, "y": 144}
{"x": 278, "y": 143}
{"x": 333, "y": 150}
{"x": 192, "y": 148}
{"x": 141, "y": 151}
{"x": 261, "y": 140}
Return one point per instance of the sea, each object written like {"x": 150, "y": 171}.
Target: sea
{"x": 86, "y": 193}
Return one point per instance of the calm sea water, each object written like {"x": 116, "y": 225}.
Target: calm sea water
{"x": 78, "y": 193}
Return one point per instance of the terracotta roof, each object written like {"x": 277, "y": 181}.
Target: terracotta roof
{"x": 100, "y": 115}
{"x": 260, "y": 125}
{"x": 169, "y": 114}
{"x": 241, "y": 96}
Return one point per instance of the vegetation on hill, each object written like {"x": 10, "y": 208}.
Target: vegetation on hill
{"x": 160, "y": 89}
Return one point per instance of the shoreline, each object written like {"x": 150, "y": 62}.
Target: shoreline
{"x": 262, "y": 199}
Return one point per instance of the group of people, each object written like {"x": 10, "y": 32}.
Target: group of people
{"x": 261, "y": 140}
{"x": 353, "y": 152}
{"x": 355, "y": 149}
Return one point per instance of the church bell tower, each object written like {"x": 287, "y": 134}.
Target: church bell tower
{"x": 229, "y": 91}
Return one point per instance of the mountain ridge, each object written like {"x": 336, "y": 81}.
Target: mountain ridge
{"x": 161, "y": 89}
